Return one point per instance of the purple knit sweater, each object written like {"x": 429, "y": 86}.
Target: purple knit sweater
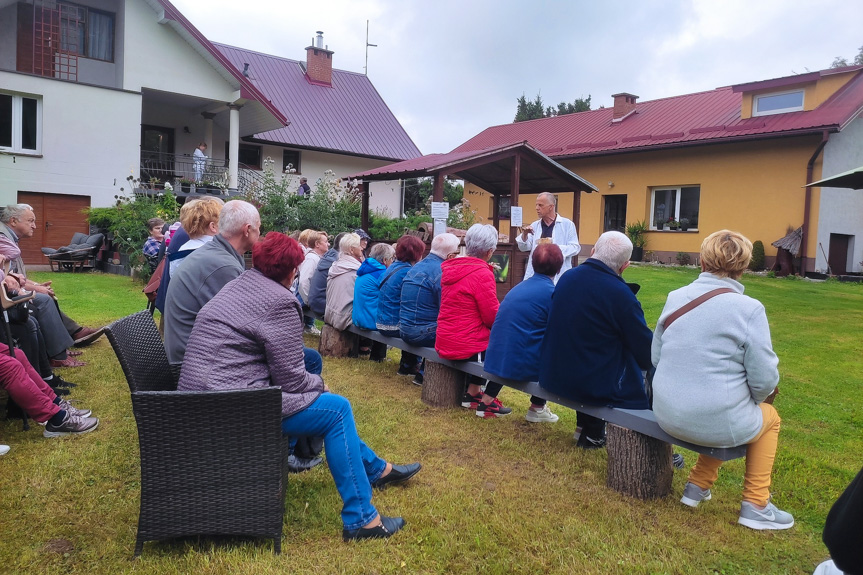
{"x": 251, "y": 335}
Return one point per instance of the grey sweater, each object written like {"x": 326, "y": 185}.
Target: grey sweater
{"x": 197, "y": 281}
{"x": 714, "y": 365}
{"x": 251, "y": 335}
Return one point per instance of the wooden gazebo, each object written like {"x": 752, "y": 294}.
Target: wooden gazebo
{"x": 502, "y": 171}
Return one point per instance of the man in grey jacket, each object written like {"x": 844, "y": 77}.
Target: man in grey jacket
{"x": 206, "y": 271}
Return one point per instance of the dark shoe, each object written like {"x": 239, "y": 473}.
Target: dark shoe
{"x": 418, "y": 380}
{"x": 586, "y": 442}
{"x": 492, "y": 410}
{"x": 398, "y": 474}
{"x": 68, "y": 362}
{"x": 388, "y": 526}
{"x": 677, "y": 461}
{"x": 469, "y": 401}
{"x": 58, "y": 381}
{"x": 85, "y": 336}
{"x": 59, "y": 391}
{"x": 300, "y": 464}
{"x": 406, "y": 371}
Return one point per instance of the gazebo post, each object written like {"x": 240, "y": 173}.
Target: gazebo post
{"x": 495, "y": 210}
{"x": 513, "y": 193}
{"x": 437, "y": 190}
{"x": 364, "y": 191}
{"x": 576, "y": 218}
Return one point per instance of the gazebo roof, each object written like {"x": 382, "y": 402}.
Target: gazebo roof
{"x": 489, "y": 168}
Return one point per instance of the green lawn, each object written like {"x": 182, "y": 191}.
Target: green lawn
{"x": 497, "y": 496}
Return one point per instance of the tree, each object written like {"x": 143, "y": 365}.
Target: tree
{"x": 840, "y": 62}
{"x": 534, "y": 110}
{"x": 417, "y": 193}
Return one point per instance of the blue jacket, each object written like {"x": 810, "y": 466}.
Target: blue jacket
{"x": 365, "y": 308}
{"x": 318, "y": 284}
{"x": 421, "y": 300}
{"x": 597, "y": 342}
{"x": 516, "y": 336}
{"x": 390, "y": 298}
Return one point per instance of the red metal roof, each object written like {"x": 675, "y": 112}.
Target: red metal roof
{"x": 692, "y": 119}
{"x": 349, "y": 117}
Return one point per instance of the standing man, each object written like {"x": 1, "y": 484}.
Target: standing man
{"x": 597, "y": 343}
{"x": 304, "y": 190}
{"x": 550, "y": 227}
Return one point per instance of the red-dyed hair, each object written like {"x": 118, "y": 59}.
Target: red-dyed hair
{"x": 409, "y": 249}
{"x": 547, "y": 259}
{"x": 277, "y": 256}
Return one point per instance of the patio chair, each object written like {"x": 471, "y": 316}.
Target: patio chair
{"x": 79, "y": 254}
{"x": 212, "y": 463}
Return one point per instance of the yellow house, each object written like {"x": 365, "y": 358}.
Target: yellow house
{"x": 737, "y": 157}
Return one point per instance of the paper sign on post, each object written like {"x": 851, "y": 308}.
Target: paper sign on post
{"x": 439, "y": 210}
{"x": 515, "y": 216}
{"x": 439, "y": 227}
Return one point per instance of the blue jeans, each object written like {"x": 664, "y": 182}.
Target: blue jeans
{"x": 352, "y": 464}
{"x": 313, "y": 361}
{"x": 308, "y": 321}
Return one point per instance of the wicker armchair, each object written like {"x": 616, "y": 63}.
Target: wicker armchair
{"x": 212, "y": 463}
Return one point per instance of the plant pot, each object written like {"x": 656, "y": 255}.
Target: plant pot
{"x": 684, "y": 228}
{"x": 637, "y": 254}
{"x": 660, "y": 225}
{"x": 186, "y": 188}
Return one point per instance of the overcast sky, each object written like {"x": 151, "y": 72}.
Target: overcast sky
{"x": 450, "y": 68}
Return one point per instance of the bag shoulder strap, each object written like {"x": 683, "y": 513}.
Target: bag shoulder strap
{"x": 694, "y": 304}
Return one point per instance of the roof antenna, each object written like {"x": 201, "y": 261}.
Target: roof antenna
{"x": 366, "y": 67}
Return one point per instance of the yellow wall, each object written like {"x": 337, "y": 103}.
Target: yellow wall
{"x": 755, "y": 188}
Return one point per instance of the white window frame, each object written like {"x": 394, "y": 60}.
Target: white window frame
{"x": 17, "y": 121}
{"x": 677, "y": 197}
{"x": 757, "y": 98}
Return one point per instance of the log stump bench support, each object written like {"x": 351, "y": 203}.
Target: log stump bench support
{"x": 336, "y": 343}
{"x": 639, "y": 451}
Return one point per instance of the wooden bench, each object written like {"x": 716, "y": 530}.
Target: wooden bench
{"x": 639, "y": 451}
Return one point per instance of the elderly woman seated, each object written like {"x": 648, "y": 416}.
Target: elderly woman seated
{"x": 516, "y": 336}
{"x": 468, "y": 306}
{"x": 715, "y": 370}
{"x": 200, "y": 219}
{"x": 241, "y": 341}
{"x": 366, "y": 291}
{"x": 409, "y": 250}
{"x": 340, "y": 282}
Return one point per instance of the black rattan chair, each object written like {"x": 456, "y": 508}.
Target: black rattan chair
{"x": 212, "y": 463}
{"x": 139, "y": 347}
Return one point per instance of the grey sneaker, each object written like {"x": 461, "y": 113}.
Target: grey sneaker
{"x": 768, "y": 518}
{"x": 544, "y": 415}
{"x": 312, "y": 330}
{"x": 64, "y": 404}
{"x": 72, "y": 425}
{"x": 693, "y": 495}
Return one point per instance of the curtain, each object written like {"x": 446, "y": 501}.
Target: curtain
{"x": 100, "y": 36}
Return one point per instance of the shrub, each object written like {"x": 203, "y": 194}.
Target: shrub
{"x": 391, "y": 229}
{"x": 683, "y": 258}
{"x": 757, "y": 262}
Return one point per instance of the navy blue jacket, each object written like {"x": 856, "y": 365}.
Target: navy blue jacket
{"x": 516, "y": 336}
{"x": 318, "y": 284}
{"x": 597, "y": 342}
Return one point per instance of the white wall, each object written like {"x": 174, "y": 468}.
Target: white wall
{"x": 90, "y": 138}
{"x": 160, "y": 59}
{"x": 841, "y": 209}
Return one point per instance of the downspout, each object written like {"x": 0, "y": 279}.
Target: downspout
{"x": 807, "y": 203}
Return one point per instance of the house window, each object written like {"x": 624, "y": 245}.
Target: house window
{"x": 673, "y": 204}
{"x": 291, "y": 157}
{"x": 777, "y": 103}
{"x": 249, "y": 156}
{"x": 87, "y": 32}
{"x": 20, "y": 123}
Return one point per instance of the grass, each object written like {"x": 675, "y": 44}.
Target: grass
{"x": 501, "y": 496}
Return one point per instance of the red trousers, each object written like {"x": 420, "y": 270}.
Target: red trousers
{"x": 25, "y": 386}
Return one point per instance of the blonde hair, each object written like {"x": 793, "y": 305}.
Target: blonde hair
{"x": 197, "y": 215}
{"x": 726, "y": 254}
{"x": 314, "y": 237}
{"x": 303, "y": 239}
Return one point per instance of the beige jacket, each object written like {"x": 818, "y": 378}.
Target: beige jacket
{"x": 340, "y": 291}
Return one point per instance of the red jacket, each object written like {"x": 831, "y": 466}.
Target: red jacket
{"x": 468, "y": 305}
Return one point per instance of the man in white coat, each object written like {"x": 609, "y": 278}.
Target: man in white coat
{"x": 551, "y": 225}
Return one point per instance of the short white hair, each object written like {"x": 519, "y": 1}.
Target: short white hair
{"x": 236, "y": 214}
{"x": 444, "y": 244}
{"x": 382, "y": 252}
{"x": 550, "y": 197}
{"x": 14, "y": 211}
{"x": 349, "y": 241}
{"x": 613, "y": 249}
{"x": 479, "y": 239}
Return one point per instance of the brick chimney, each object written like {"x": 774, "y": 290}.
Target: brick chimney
{"x": 624, "y": 104}
{"x": 319, "y": 62}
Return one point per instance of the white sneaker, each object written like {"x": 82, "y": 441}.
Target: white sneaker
{"x": 770, "y": 517}
{"x": 543, "y": 415}
{"x": 313, "y": 330}
{"x": 64, "y": 404}
{"x": 4, "y": 449}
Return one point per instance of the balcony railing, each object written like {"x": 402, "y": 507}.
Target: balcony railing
{"x": 173, "y": 167}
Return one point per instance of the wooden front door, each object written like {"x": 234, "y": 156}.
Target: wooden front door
{"x": 58, "y": 217}
{"x": 838, "y": 258}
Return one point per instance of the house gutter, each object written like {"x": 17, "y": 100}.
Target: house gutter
{"x": 807, "y": 202}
